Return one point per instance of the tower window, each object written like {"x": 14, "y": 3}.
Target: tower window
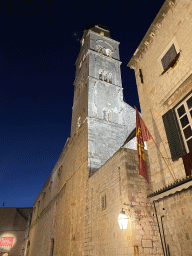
{"x": 110, "y": 78}
{"x": 108, "y": 52}
{"x": 105, "y": 76}
{"x": 100, "y": 74}
{"x": 105, "y": 115}
{"x": 109, "y": 116}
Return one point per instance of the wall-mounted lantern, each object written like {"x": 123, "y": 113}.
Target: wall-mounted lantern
{"x": 123, "y": 220}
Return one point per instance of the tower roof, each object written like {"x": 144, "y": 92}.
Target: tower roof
{"x": 98, "y": 28}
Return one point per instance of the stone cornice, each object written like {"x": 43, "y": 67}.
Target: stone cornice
{"x": 151, "y": 33}
{"x": 104, "y": 37}
{"x": 178, "y": 92}
{"x": 104, "y": 56}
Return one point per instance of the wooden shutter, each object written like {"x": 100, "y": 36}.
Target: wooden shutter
{"x": 169, "y": 56}
{"x": 174, "y": 137}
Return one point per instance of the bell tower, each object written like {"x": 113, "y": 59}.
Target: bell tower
{"x": 98, "y": 96}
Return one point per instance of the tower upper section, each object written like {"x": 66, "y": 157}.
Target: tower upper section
{"x": 100, "y": 54}
{"x": 97, "y": 63}
{"x": 98, "y": 97}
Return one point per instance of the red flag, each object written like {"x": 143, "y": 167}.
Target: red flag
{"x": 142, "y": 135}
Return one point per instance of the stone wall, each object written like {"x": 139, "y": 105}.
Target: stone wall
{"x": 159, "y": 93}
{"x": 177, "y": 220}
{"x": 59, "y": 208}
{"x": 68, "y": 209}
{"x": 74, "y": 217}
{"x": 119, "y": 181}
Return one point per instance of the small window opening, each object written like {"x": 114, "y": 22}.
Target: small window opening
{"x": 103, "y": 202}
{"x": 169, "y": 56}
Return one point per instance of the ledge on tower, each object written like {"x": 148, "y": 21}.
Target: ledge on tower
{"x": 98, "y": 28}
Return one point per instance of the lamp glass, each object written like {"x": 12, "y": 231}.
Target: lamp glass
{"x": 123, "y": 221}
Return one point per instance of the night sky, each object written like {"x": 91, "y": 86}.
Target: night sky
{"x": 39, "y": 44}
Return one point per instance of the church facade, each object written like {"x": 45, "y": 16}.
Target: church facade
{"x": 76, "y": 212}
{"x": 163, "y": 70}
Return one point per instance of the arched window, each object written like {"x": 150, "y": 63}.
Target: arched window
{"x": 110, "y": 78}
{"x": 109, "y": 116}
{"x": 105, "y": 76}
{"x": 105, "y": 114}
{"x": 99, "y": 48}
{"x": 100, "y": 74}
{"x": 108, "y": 52}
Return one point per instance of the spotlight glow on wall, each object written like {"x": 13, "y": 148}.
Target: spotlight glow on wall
{"x": 123, "y": 220}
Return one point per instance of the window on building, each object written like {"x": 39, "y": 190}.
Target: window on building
{"x": 184, "y": 116}
{"x": 178, "y": 128}
{"x": 105, "y": 76}
{"x": 100, "y": 74}
{"x": 59, "y": 171}
{"x": 105, "y": 114}
{"x": 109, "y": 115}
{"x": 52, "y": 247}
{"x": 28, "y": 247}
{"x": 103, "y": 202}
{"x": 44, "y": 194}
{"x": 110, "y": 78}
{"x": 108, "y": 52}
{"x": 169, "y": 56}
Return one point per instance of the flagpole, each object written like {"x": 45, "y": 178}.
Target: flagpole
{"x": 164, "y": 159}
{"x": 161, "y": 155}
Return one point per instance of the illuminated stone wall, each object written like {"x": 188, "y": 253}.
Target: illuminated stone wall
{"x": 60, "y": 206}
{"x": 68, "y": 208}
{"x": 80, "y": 226}
{"x": 159, "y": 93}
{"x": 119, "y": 181}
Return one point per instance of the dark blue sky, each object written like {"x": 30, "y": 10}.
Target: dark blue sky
{"x": 39, "y": 44}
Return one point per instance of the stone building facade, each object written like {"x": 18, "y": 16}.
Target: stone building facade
{"x": 95, "y": 176}
{"x": 163, "y": 70}
{"x": 14, "y": 230}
